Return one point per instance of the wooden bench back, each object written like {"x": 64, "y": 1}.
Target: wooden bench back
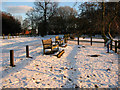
{"x": 47, "y": 42}
{"x": 57, "y": 38}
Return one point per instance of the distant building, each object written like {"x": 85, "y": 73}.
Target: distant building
{"x": 27, "y": 32}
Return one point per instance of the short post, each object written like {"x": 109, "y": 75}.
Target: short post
{"x": 16, "y": 35}
{"x": 111, "y": 45}
{"x": 78, "y": 40}
{"x": 108, "y": 48}
{"x": 27, "y": 51}
{"x": 12, "y": 36}
{"x": 8, "y": 36}
{"x": 65, "y": 39}
{"x": 115, "y": 46}
{"x": 119, "y": 44}
{"x": 3, "y": 36}
{"x": 104, "y": 43}
{"x": 91, "y": 40}
{"x": 12, "y": 58}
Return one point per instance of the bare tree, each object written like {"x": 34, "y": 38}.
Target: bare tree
{"x": 68, "y": 15}
{"x": 41, "y": 13}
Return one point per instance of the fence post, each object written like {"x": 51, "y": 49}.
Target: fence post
{"x": 91, "y": 40}
{"x": 27, "y": 51}
{"x": 12, "y": 58}
{"x": 119, "y": 44}
{"x": 111, "y": 45}
{"x": 104, "y": 43}
{"x": 78, "y": 40}
{"x": 107, "y": 48}
{"x": 115, "y": 46}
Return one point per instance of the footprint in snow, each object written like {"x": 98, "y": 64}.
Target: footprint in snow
{"x": 96, "y": 86}
{"x": 43, "y": 84}
{"x": 94, "y": 75}
{"x": 76, "y": 86}
{"x": 108, "y": 69}
{"x": 37, "y": 82}
{"x": 70, "y": 79}
{"x": 33, "y": 78}
{"x": 36, "y": 65}
{"x": 80, "y": 77}
{"x": 64, "y": 76}
{"x": 62, "y": 86}
{"x": 38, "y": 68}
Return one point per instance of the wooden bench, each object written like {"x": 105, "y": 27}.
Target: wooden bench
{"x": 58, "y": 40}
{"x": 47, "y": 44}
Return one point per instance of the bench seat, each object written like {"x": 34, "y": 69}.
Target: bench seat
{"x": 47, "y": 44}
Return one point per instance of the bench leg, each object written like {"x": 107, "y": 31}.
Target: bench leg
{"x": 51, "y": 50}
{"x": 43, "y": 51}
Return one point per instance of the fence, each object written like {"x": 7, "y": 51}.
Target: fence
{"x": 9, "y": 36}
{"x": 90, "y": 40}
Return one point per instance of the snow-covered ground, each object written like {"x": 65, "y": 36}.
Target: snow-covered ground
{"x": 74, "y": 69}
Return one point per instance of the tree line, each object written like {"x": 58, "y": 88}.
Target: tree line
{"x": 90, "y": 18}
{"x": 10, "y": 25}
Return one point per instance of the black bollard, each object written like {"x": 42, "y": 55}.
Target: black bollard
{"x": 12, "y": 58}
{"x": 65, "y": 40}
{"x": 3, "y": 36}
{"x": 115, "y": 46}
{"x": 8, "y": 36}
{"x": 91, "y": 41}
{"x": 104, "y": 43}
{"x": 27, "y": 51}
{"x": 107, "y": 48}
{"x": 78, "y": 40}
{"x": 111, "y": 45}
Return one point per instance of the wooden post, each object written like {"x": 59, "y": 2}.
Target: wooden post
{"x": 107, "y": 48}
{"x": 16, "y": 35}
{"x": 91, "y": 40}
{"x": 27, "y": 51}
{"x": 78, "y": 40}
{"x": 8, "y": 36}
{"x": 115, "y": 46}
{"x": 12, "y": 58}
{"x": 65, "y": 39}
{"x": 119, "y": 44}
{"x": 111, "y": 45}
{"x": 104, "y": 43}
{"x": 12, "y": 36}
{"x": 3, "y": 36}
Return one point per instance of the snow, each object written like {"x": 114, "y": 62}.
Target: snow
{"x": 74, "y": 68}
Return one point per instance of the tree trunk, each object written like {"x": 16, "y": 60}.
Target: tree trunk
{"x": 103, "y": 24}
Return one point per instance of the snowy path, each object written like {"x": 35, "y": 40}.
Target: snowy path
{"x": 74, "y": 69}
